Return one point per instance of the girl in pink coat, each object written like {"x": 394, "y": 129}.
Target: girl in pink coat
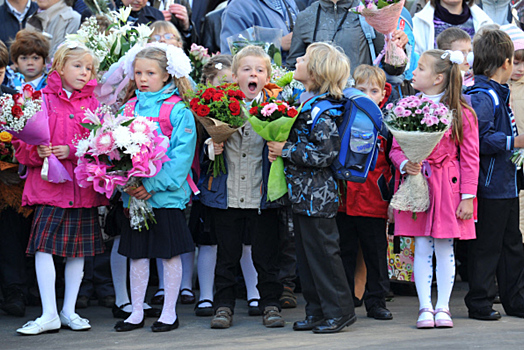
{"x": 66, "y": 217}
{"x": 452, "y": 184}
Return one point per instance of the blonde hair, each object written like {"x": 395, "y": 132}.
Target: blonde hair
{"x": 167, "y": 27}
{"x": 210, "y": 70}
{"x": 251, "y": 50}
{"x": 328, "y": 68}
{"x": 64, "y": 53}
{"x": 370, "y": 74}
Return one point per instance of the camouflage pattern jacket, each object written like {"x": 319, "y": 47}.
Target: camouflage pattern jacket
{"x": 308, "y": 154}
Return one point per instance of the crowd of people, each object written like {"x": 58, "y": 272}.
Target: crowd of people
{"x": 67, "y": 239}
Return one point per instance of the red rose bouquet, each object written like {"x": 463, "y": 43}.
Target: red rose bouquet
{"x": 273, "y": 121}
{"x": 218, "y": 109}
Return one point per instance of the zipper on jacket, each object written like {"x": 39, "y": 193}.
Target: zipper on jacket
{"x": 490, "y": 172}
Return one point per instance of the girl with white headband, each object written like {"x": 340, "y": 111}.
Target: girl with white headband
{"x": 452, "y": 184}
{"x": 160, "y": 73}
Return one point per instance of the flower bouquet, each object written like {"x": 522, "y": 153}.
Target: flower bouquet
{"x": 418, "y": 124}
{"x": 270, "y": 39}
{"x": 199, "y": 57}
{"x": 118, "y": 151}
{"x": 218, "y": 109}
{"x": 383, "y": 15}
{"x": 22, "y": 115}
{"x": 291, "y": 88}
{"x": 7, "y": 152}
{"x": 273, "y": 121}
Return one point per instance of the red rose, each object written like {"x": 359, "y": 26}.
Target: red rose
{"x": 253, "y": 110}
{"x": 292, "y": 113}
{"x": 217, "y": 97}
{"x": 234, "y": 107}
{"x": 194, "y": 103}
{"x": 231, "y": 93}
{"x": 37, "y": 95}
{"x": 207, "y": 95}
{"x": 18, "y": 99}
{"x": 28, "y": 91}
{"x": 264, "y": 104}
{"x": 281, "y": 108}
{"x": 202, "y": 110}
{"x": 17, "y": 111}
{"x": 240, "y": 95}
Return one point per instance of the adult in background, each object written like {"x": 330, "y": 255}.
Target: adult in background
{"x": 439, "y": 15}
{"x": 178, "y": 12}
{"x": 13, "y": 17}
{"x": 243, "y": 14}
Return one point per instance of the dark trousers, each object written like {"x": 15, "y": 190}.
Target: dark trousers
{"x": 14, "y": 236}
{"x": 324, "y": 284}
{"x": 230, "y": 225}
{"x": 97, "y": 281}
{"x": 497, "y": 251}
{"x": 371, "y": 234}
{"x": 287, "y": 256}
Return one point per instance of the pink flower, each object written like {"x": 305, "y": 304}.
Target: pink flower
{"x": 418, "y": 111}
{"x": 425, "y": 109}
{"x": 402, "y": 104}
{"x": 399, "y": 111}
{"x": 412, "y": 104}
{"x": 445, "y": 121}
{"x": 407, "y": 113}
{"x": 269, "y": 109}
{"x": 138, "y": 126}
{"x": 104, "y": 143}
{"x": 389, "y": 106}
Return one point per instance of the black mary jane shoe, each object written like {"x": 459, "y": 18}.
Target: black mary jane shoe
{"x": 122, "y": 326}
{"x": 334, "y": 325}
{"x": 163, "y": 327}
{"x": 152, "y": 312}
{"x": 253, "y": 310}
{"x": 308, "y": 323}
{"x": 204, "y": 311}
{"x": 118, "y": 311}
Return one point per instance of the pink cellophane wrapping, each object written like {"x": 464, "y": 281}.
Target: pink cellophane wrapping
{"x": 384, "y": 20}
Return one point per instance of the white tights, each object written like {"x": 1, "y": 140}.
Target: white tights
{"x": 423, "y": 270}
{"x": 46, "y": 276}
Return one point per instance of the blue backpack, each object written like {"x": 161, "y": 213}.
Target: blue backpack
{"x": 490, "y": 92}
{"x": 359, "y": 130}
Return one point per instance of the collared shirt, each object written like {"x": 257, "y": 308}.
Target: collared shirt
{"x": 19, "y": 15}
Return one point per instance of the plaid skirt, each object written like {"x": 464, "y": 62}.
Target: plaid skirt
{"x": 71, "y": 232}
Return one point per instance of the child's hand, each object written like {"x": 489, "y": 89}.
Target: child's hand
{"x": 61, "y": 152}
{"x": 180, "y": 13}
{"x": 519, "y": 141}
{"x": 219, "y": 148}
{"x": 275, "y": 150}
{"x": 465, "y": 209}
{"x": 412, "y": 168}
{"x": 401, "y": 37}
{"x": 391, "y": 214}
{"x": 43, "y": 151}
{"x": 139, "y": 192}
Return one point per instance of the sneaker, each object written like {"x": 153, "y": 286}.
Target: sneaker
{"x": 288, "y": 300}
{"x": 272, "y": 317}
{"x": 223, "y": 318}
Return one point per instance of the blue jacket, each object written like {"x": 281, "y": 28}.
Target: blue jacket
{"x": 169, "y": 187}
{"x": 240, "y": 15}
{"x": 9, "y": 23}
{"x": 497, "y": 175}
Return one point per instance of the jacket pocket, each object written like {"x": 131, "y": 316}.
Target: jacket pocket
{"x": 490, "y": 172}
{"x": 454, "y": 178}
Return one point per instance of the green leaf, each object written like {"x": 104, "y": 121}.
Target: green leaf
{"x": 90, "y": 126}
{"x": 127, "y": 123}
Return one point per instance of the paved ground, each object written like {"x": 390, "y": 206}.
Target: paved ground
{"x": 248, "y": 332}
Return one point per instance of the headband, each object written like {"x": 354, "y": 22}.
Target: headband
{"x": 178, "y": 64}
{"x": 456, "y": 57}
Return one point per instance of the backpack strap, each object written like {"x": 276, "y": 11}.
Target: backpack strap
{"x": 370, "y": 34}
{"x": 490, "y": 92}
{"x": 320, "y": 107}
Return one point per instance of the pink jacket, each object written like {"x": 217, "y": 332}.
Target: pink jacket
{"x": 450, "y": 178}
{"x": 65, "y": 116}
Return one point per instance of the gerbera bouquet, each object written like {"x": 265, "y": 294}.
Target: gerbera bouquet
{"x": 418, "y": 124}
{"x": 119, "y": 151}
{"x": 218, "y": 109}
{"x": 273, "y": 121}
{"x": 383, "y": 15}
{"x": 24, "y": 115}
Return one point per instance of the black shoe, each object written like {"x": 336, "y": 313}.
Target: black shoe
{"x": 308, "y": 324}
{"x": 107, "y": 301}
{"x": 485, "y": 314}
{"x": 497, "y": 299}
{"x": 380, "y": 313}
{"x": 334, "y": 325}
{"x": 118, "y": 311}
{"x": 163, "y": 327}
{"x": 82, "y": 302}
{"x": 187, "y": 299}
{"x": 158, "y": 299}
{"x": 253, "y": 310}
{"x": 358, "y": 302}
{"x": 152, "y": 312}
{"x": 204, "y": 311}
{"x": 122, "y": 326}
{"x": 14, "y": 303}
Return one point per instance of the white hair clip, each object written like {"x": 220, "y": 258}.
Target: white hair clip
{"x": 218, "y": 66}
{"x": 178, "y": 64}
{"x": 454, "y": 56}
{"x": 470, "y": 58}
{"x": 71, "y": 44}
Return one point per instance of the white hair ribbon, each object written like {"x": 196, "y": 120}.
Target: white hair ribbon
{"x": 454, "y": 56}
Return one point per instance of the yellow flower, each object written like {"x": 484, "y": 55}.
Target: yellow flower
{"x": 5, "y": 136}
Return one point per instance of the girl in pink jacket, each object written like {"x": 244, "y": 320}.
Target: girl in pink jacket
{"x": 66, "y": 218}
{"x": 452, "y": 186}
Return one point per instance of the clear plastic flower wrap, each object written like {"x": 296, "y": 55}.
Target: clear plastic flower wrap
{"x": 140, "y": 211}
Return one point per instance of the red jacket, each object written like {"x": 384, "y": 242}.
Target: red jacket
{"x": 65, "y": 116}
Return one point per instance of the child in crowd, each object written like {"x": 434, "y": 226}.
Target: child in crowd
{"x": 456, "y": 39}
{"x": 363, "y": 212}
{"x": 168, "y": 192}
{"x": 66, "y": 216}
{"x": 313, "y": 192}
{"x": 497, "y": 251}
{"x": 29, "y": 52}
{"x": 237, "y": 202}
{"x": 165, "y": 32}
{"x": 215, "y": 72}
{"x": 55, "y": 19}
{"x": 452, "y": 186}
{"x": 516, "y": 85}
